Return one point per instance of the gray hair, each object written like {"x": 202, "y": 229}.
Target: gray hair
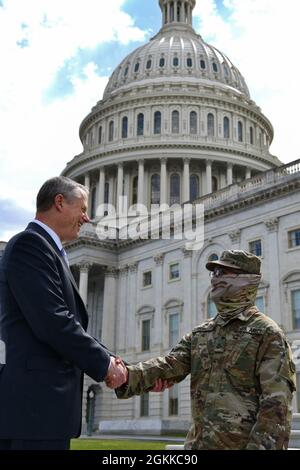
{"x": 59, "y": 185}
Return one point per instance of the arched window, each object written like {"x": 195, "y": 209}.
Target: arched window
{"x": 240, "y": 131}
{"x": 125, "y": 127}
{"x": 189, "y": 62}
{"x": 215, "y": 67}
{"x": 162, "y": 62}
{"x": 175, "y": 62}
{"x": 100, "y": 135}
{"x": 106, "y": 193}
{"x": 202, "y": 64}
{"x": 175, "y": 189}
{"x": 175, "y": 122}
{"x": 194, "y": 187}
{"x": 155, "y": 189}
{"x": 137, "y": 67}
{"x": 111, "y": 131}
{"x": 140, "y": 124}
{"x": 149, "y": 64}
{"x": 126, "y": 71}
{"x": 157, "y": 122}
{"x": 135, "y": 189}
{"x": 210, "y": 125}
{"x": 251, "y": 136}
{"x": 215, "y": 185}
{"x": 226, "y": 128}
{"x": 193, "y": 122}
{"x": 94, "y": 202}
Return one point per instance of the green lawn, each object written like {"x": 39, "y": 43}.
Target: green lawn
{"x": 95, "y": 444}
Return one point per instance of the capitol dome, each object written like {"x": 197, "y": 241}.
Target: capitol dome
{"x": 176, "y": 122}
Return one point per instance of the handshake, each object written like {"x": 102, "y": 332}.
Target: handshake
{"x": 118, "y": 374}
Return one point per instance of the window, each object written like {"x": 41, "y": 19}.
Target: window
{"x": 140, "y": 124}
{"x": 137, "y": 67}
{"x": 173, "y": 400}
{"x": 189, "y": 62}
{"x": 144, "y": 402}
{"x": 296, "y": 309}
{"x": 125, "y": 127}
{"x": 106, "y": 193}
{"x": 211, "y": 308}
{"x": 147, "y": 279}
{"x": 240, "y": 132}
{"x": 255, "y": 247}
{"x": 210, "y": 125}
{"x": 174, "y": 272}
{"x": 215, "y": 185}
{"x": 194, "y": 187}
{"x": 175, "y": 122}
{"x": 157, "y": 122}
{"x": 173, "y": 329}
{"x": 126, "y": 71}
{"x": 100, "y": 135}
{"x": 111, "y": 131}
{"x": 213, "y": 257}
{"x": 294, "y": 238}
{"x": 215, "y": 67}
{"x": 193, "y": 122}
{"x": 251, "y": 136}
{"x": 135, "y": 189}
{"x": 175, "y": 189}
{"x": 149, "y": 64}
{"x": 146, "y": 335}
{"x": 202, "y": 64}
{"x": 226, "y": 128}
{"x": 155, "y": 189}
{"x": 162, "y": 62}
{"x": 175, "y": 62}
{"x": 260, "y": 303}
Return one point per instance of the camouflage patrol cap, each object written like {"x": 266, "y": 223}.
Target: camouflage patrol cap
{"x": 237, "y": 259}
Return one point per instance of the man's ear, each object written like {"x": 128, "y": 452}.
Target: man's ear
{"x": 59, "y": 202}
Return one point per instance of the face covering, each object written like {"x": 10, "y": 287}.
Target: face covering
{"x": 233, "y": 293}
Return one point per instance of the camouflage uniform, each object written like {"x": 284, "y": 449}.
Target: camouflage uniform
{"x": 242, "y": 379}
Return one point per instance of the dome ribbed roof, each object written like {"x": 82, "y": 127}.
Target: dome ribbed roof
{"x": 176, "y": 53}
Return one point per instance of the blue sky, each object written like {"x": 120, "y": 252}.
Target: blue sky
{"x": 56, "y": 60}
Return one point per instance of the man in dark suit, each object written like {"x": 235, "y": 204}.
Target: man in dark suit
{"x": 43, "y": 323}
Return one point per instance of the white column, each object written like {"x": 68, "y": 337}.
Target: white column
{"x": 163, "y": 181}
{"x": 274, "y": 298}
{"x": 158, "y": 319}
{"x": 132, "y": 338}
{"x": 83, "y": 281}
{"x": 120, "y": 184}
{"x": 101, "y": 185}
{"x": 168, "y": 13}
{"x": 109, "y": 308}
{"x": 111, "y": 189}
{"x": 87, "y": 181}
{"x": 175, "y": 10}
{"x": 141, "y": 181}
{"x": 208, "y": 176}
{"x": 186, "y": 180}
{"x": 182, "y": 12}
{"x": 187, "y": 290}
{"x": 248, "y": 173}
{"x": 229, "y": 174}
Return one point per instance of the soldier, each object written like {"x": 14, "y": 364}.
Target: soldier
{"x": 242, "y": 373}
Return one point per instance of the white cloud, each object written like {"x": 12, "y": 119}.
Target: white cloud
{"x": 38, "y": 139}
{"x": 261, "y": 37}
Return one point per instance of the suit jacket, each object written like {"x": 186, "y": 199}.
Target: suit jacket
{"x": 43, "y": 323}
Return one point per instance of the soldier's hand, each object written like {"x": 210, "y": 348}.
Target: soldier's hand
{"x": 161, "y": 385}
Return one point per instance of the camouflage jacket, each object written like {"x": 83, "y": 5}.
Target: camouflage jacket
{"x": 242, "y": 379}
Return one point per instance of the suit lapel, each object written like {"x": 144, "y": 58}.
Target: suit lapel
{"x": 53, "y": 247}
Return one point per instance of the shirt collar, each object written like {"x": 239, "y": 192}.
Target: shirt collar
{"x": 51, "y": 232}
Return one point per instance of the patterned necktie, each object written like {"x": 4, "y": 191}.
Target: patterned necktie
{"x": 65, "y": 257}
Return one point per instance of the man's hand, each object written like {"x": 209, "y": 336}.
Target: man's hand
{"x": 117, "y": 373}
{"x": 161, "y": 385}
